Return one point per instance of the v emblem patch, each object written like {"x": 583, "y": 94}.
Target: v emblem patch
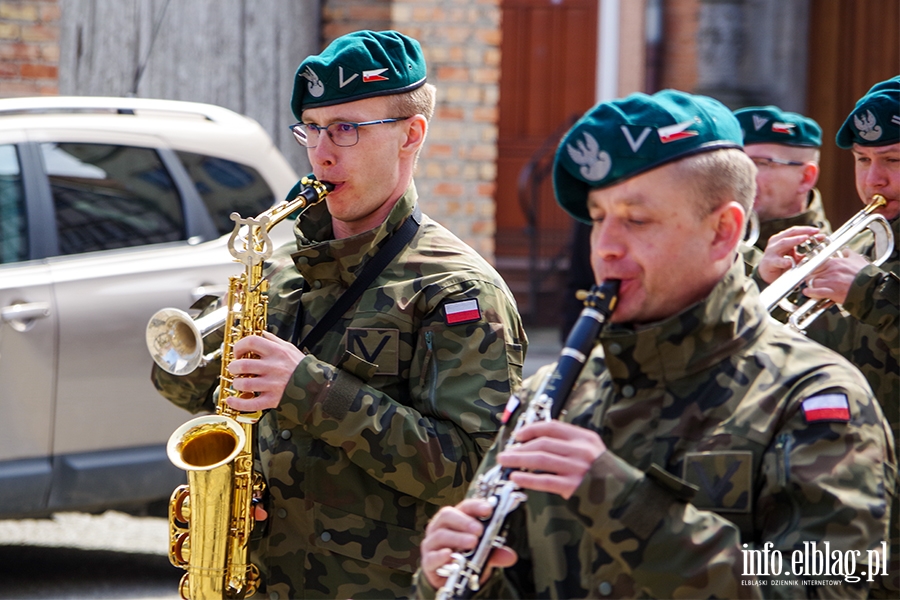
{"x": 635, "y": 144}
{"x": 341, "y": 81}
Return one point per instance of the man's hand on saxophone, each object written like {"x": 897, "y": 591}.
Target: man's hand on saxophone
{"x": 265, "y": 367}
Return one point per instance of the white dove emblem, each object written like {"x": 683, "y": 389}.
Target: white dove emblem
{"x": 595, "y": 163}
{"x": 315, "y": 85}
{"x": 869, "y": 130}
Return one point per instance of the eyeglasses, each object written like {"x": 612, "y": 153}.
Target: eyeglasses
{"x": 342, "y": 133}
{"x": 762, "y": 162}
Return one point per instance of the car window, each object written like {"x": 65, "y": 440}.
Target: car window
{"x": 109, "y": 196}
{"x": 226, "y": 187}
{"x": 13, "y": 220}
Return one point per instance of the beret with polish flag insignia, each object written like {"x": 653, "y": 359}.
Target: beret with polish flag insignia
{"x": 771, "y": 125}
{"x": 358, "y": 65}
{"x": 618, "y": 139}
{"x": 876, "y": 119}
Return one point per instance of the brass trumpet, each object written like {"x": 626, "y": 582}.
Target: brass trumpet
{"x": 174, "y": 339}
{"x": 815, "y": 253}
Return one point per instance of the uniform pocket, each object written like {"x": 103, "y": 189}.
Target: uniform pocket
{"x": 365, "y": 539}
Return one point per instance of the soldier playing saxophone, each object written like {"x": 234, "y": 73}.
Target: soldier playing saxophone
{"x": 373, "y": 425}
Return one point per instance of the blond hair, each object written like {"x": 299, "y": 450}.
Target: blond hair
{"x": 420, "y": 101}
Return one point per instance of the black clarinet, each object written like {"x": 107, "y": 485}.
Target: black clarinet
{"x": 464, "y": 571}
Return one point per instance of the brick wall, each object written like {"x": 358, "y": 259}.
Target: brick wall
{"x": 29, "y": 47}
{"x": 681, "y": 20}
{"x": 461, "y": 41}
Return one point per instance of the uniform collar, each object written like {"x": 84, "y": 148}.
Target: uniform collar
{"x": 814, "y": 215}
{"x": 702, "y": 335}
{"x": 320, "y": 257}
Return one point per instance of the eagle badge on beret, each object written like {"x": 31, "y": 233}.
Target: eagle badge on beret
{"x": 595, "y": 163}
{"x": 868, "y": 127}
{"x": 315, "y": 86}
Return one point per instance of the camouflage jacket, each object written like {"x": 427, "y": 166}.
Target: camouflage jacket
{"x": 711, "y": 455}
{"x": 814, "y": 216}
{"x": 387, "y": 418}
{"x": 866, "y": 331}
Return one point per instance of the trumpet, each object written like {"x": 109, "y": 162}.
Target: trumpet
{"x": 815, "y": 253}
{"x": 174, "y": 339}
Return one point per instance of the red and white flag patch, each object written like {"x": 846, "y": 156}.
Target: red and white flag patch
{"x": 786, "y": 128}
{"x": 826, "y": 407}
{"x": 464, "y": 311}
{"x": 679, "y": 131}
{"x": 374, "y": 75}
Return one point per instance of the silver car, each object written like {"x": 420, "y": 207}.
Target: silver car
{"x": 110, "y": 209}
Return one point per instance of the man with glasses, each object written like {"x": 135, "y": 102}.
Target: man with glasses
{"x": 785, "y": 148}
{"x": 371, "y": 429}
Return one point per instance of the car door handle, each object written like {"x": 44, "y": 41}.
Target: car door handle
{"x": 21, "y": 316}
{"x": 208, "y": 290}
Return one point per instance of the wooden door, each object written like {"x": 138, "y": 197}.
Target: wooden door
{"x": 852, "y": 46}
{"x": 548, "y": 74}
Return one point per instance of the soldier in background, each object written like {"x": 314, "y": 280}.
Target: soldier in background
{"x": 699, "y": 430}
{"x": 784, "y": 146}
{"x": 369, "y": 430}
{"x": 864, "y": 327}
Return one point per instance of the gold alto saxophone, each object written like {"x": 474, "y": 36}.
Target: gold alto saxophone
{"x": 211, "y": 518}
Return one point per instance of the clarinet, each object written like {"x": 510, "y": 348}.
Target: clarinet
{"x": 464, "y": 571}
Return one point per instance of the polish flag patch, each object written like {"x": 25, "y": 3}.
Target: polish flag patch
{"x": 786, "y": 128}
{"x": 464, "y": 311}
{"x": 827, "y": 407}
{"x": 374, "y": 75}
{"x": 679, "y": 131}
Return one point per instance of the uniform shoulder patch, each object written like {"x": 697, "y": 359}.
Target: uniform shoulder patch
{"x": 464, "y": 311}
{"x": 827, "y": 407}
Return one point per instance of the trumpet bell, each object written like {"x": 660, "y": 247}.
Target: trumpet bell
{"x": 174, "y": 341}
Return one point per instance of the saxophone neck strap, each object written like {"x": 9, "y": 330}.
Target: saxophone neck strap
{"x": 375, "y": 265}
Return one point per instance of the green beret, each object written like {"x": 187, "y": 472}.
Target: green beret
{"x": 619, "y": 139}
{"x": 362, "y": 64}
{"x": 876, "y": 119}
{"x": 771, "y": 125}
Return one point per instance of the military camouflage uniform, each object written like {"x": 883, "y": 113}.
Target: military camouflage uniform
{"x": 813, "y": 216}
{"x": 708, "y": 449}
{"x": 866, "y": 333}
{"x": 387, "y": 418}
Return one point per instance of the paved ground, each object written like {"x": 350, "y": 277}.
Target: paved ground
{"x": 75, "y": 555}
